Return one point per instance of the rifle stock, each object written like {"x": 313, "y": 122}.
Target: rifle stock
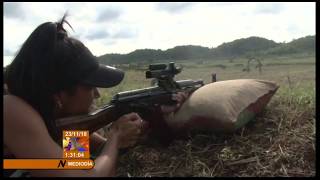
{"x": 91, "y": 122}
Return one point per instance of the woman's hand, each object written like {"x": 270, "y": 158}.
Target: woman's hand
{"x": 128, "y": 129}
{"x": 180, "y": 97}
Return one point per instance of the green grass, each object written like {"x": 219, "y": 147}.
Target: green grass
{"x": 280, "y": 142}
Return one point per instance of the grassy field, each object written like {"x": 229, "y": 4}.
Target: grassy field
{"x": 280, "y": 142}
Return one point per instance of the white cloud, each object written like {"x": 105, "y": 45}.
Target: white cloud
{"x": 14, "y": 10}
{"x": 269, "y": 8}
{"x": 129, "y": 26}
{"x": 108, "y": 14}
{"x": 7, "y": 60}
{"x": 174, "y": 7}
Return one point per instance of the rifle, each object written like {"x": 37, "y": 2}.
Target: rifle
{"x": 144, "y": 101}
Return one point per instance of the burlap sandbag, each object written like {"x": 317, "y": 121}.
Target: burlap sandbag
{"x": 223, "y": 106}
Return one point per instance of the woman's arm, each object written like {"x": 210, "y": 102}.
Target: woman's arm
{"x": 26, "y": 136}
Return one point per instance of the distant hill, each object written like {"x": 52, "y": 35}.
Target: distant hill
{"x": 302, "y": 45}
{"x": 252, "y": 46}
{"x": 241, "y": 47}
{"x": 151, "y": 55}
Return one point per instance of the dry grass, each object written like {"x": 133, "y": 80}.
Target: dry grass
{"x": 280, "y": 142}
{"x": 277, "y": 143}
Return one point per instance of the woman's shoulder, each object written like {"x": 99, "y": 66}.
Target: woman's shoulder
{"x": 17, "y": 108}
{"x": 20, "y": 120}
{"x": 25, "y": 131}
{"x": 9, "y": 98}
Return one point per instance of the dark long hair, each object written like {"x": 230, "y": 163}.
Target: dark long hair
{"x": 35, "y": 73}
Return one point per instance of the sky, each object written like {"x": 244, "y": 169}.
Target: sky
{"x": 122, "y": 27}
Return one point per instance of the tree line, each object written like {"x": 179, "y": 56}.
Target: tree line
{"x": 245, "y": 47}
